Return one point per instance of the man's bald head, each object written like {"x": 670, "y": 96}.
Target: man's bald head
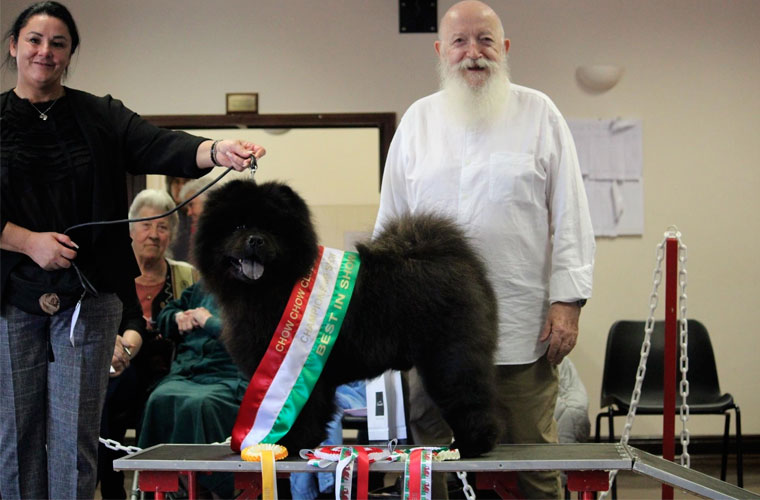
{"x": 468, "y": 11}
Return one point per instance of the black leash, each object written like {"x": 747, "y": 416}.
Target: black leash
{"x": 88, "y": 287}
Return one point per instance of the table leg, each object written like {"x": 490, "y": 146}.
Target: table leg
{"x": 249, "y": 483}
{"x": 159, "y": 482}
{"x": 192, "y": 485}
{"x": 503, "y": 483}
{"x": 586, "y": 482}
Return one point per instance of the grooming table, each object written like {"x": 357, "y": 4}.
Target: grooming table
{"x": 586, "y": 466}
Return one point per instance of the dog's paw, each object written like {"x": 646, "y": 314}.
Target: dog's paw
{"x": 477, "y": 441}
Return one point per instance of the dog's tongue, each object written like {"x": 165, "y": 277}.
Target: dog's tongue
{"x": 252, "y": 270}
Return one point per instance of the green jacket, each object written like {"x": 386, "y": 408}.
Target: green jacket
{"x": 201, "y": 356}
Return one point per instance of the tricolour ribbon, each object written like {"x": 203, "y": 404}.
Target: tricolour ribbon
{"x": 298, "y": 351}
{"x": 417, "y": 474}
{"x": 344, "y": 471}
{"x": 417, "y": 470}
{"x": 349, "y": 457}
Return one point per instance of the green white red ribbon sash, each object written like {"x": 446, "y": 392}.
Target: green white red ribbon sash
{"x": 298, "y": 350}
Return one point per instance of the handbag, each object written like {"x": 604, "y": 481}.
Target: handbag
{"x": 40, "y": 292}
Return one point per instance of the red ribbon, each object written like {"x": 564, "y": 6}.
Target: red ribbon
{"x": 415, "y": 474}
{"x": 362, "y": 474}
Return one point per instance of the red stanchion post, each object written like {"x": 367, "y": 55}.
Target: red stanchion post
{"x": 669, "y": 382}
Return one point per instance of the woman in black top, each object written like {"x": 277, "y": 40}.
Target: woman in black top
{"x": 64, "y": 155}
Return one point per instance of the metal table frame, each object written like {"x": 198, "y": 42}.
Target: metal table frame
{"x": 586, "y": 465}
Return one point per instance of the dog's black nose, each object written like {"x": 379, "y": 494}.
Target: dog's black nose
{"x": 255, "y": 241}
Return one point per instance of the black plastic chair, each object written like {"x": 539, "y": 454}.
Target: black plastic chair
{"x": 621, "y": 364}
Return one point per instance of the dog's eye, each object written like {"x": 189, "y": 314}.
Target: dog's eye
{"x": 240, "y": 228}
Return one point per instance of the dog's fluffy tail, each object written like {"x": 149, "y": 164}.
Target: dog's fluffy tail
{"x": 420, "y": 236}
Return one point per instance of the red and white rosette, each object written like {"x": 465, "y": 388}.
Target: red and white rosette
{"x": 347, "y": 457}
{"x": 417, "y": 471}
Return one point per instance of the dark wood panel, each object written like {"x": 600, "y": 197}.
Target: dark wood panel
{"x": 384, "y": 122}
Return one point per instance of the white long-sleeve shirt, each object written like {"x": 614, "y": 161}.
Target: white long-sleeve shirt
{"x": 517, "y": 190}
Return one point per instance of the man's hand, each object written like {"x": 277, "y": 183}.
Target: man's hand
{"x": 561, "y": 328}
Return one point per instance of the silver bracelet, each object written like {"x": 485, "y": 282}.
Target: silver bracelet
{"x": 213, "y": 152}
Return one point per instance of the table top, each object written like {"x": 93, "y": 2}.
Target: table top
{"x": 513, "y": 457}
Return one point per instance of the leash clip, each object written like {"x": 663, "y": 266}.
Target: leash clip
{"x": 254, "y": 166}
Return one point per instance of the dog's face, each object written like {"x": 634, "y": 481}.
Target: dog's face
{"x": 255, "y": 236}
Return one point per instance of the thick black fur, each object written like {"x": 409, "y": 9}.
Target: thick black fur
{"x": 422, "y": 299}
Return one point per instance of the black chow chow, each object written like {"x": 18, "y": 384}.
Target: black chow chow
{"x": 421, "y": 299}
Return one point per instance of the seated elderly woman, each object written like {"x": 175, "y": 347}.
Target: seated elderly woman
{"x": 161, "y": 279}
{"x": 199, "y": 399}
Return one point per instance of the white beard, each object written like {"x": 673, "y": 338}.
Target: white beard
{"x": 474, "y": 105}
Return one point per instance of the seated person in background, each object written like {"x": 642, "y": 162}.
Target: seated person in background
{"x": 307, "y": 485}
{"x": 161, "y": 280}
{"x": 180, "y": 246}
{"x": 571, "y": 411}
{"x": 193, "y": 209}
{"x": 198, "y": 401}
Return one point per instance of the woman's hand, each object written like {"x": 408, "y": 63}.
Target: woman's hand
{"x": 200, "y": 316}
{"x": 184, "y": 321}
{"x": 49, "y": 250}
{"x": 235, "y": 154}
{"x": 192, "y": 318}
{"x": 122, "y": 355}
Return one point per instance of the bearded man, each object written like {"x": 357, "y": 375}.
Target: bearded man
{"x": 499, "y": 158}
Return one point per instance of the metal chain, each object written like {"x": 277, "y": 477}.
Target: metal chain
{"x": 112, "y": 444}
{"x": 469, "y": 493}
{"x": 645, "y": 347}
{"x": 684, "y": 360}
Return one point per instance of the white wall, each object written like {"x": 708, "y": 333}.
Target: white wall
{"x": 692, "y": 68}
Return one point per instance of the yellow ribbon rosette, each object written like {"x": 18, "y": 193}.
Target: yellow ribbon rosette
{"x": 266, "y": 454}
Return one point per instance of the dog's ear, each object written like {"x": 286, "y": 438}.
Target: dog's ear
{"x": 285, "y": 191}
{"x": 286, "y": 197}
